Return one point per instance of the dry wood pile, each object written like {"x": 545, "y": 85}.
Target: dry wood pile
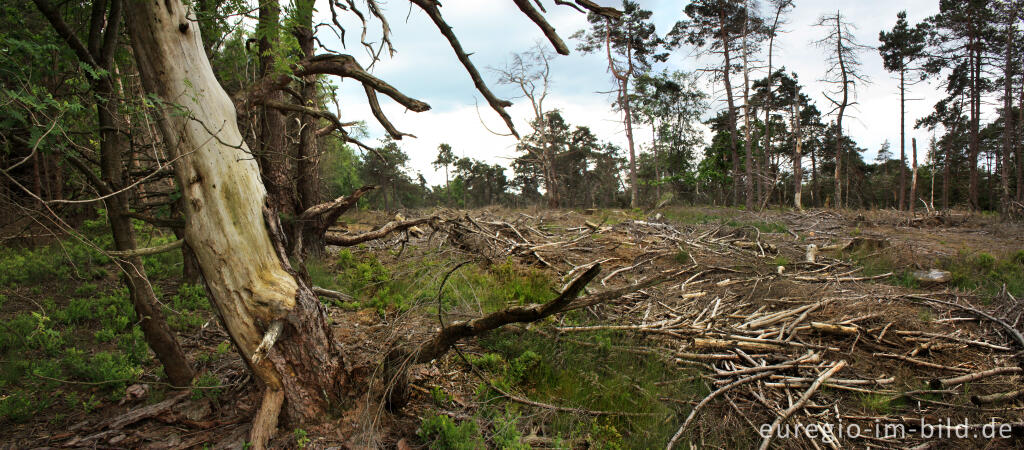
{"x": 780, "y": 343}
{"x": 780, "y": 340}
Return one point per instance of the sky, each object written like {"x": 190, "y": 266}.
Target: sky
{"x": 425, "y": 67}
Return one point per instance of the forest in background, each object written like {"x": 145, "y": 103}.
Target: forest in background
{"x": 169, "y": 167}
{"x": 696, "y": 153}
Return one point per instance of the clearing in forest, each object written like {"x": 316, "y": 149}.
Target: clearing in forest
{"x": 705, "y": 326}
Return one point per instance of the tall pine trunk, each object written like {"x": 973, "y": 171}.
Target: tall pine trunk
{"x": 913, "y": 176}
{"x": 730, "y": 102}
{"x": 903, "y": 142}
{"x": 797, "y": 157}
{"x": 1008, "y": 125}
{"x": 749, "y": 159}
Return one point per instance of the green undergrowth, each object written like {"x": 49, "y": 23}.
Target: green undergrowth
{"x": 74, "y": 357}
{"x": 591, "y": 372}
{"x": 89, "y": 350}
{"x": 724, "y": 216}
{"x": 987, "y": 273}
{"x": 69, "y": 336}
{"x": 416, "y": 281}
{"x": 982, "y": 272}
{"x": 80, "y": 259}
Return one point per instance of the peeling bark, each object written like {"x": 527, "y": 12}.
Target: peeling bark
{"x": 236, "y": 244}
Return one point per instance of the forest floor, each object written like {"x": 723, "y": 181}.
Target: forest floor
{"x": 741, "y": 332}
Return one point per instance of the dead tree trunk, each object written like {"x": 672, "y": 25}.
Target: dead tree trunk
{"x": 253, "y": 289}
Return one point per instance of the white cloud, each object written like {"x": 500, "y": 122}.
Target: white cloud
{"x": 426, "y": 68}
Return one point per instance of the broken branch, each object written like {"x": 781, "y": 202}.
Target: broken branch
{"x": 457, "y": 331}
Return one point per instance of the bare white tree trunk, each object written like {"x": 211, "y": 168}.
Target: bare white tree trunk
{"x": 252, "y": 287}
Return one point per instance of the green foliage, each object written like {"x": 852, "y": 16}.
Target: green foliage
{"x": 440, "y": 397}
{"x": 372, "y": 284}
{"x": 38, "y": 348}
{"x": 19, "y": 406}
{"x": 764, "y": 227}
{"x": 301, "y": 438}
{"x": 590, "y": 373}
{"x": 85, "y": 290}
{"x": 186, "y": 308}
{"x": 165, "y": 265}
{"x": 440, "y": 432}
{"x": 506, "y": 436}
{"x": 881, "y": 404}
{"x": 206, "y": 385}
{"x": 986, "y": 272}
{"x": 63, "y": 260}
{"x": 113, "y": 369}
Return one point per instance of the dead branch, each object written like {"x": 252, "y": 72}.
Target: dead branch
{"x": 549, "y": 31}
{"x": 160, "y": 222}
{"x": 333, "y": 294}
{"x": 457, "y": 331}
{"x": 593, "y": 7}
{"x": 269, "y": 338}
{"x": 921, "y": 363}
{"x": 340, "y": 204}
{"x": 716, "y": 393}
{"x": 343, "y": 240}
{"x": 940, "y": 383}
{"x": 998, "y": 397}
{"x": 264, "y": 425}
{"x": 371, "y": 97}
{"x": 146, "y": 251}
{"x": 431, "y": 7}
{"x": 1016, "y": 335}
{"x": 347, "y": 67}
{"x": 800, "y": 403}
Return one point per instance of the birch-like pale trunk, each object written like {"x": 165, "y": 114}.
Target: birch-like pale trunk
{"x": 237, "y": 246}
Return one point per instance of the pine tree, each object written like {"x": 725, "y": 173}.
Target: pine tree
{"x": 633, "y": 40}
{"x": 901, "y": 48}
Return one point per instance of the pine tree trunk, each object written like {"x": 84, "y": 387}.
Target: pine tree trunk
{"x": 1018, "y": 164}
{"x": 749, "y": 160}
{"x": 797, "y": 157}
{"x": 946, "y": 173}
{"x": 252, "y": 288}
{"x": 151, "y": 319}
{"x": 1008, "y": 126}
{"x": 974, "y": 147}
{"x": 815, "y": 193}
{"x": 726, "y": 70}
{"x": 634, "y": 188}
{"x": 273, "y": 148}
{"x": 903, "y": 143}
{"x": 913, "y": 176}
